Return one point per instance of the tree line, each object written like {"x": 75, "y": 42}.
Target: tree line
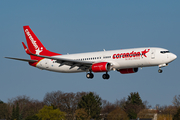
{"x": 58, "y": 105}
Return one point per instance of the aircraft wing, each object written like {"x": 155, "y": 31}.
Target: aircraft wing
{"x": 66, "y": 61}
{"x": 63, "y": 61}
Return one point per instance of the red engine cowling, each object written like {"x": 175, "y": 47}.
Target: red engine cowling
{"x": 101, "y": 67}
{"x": 129, "y": 70}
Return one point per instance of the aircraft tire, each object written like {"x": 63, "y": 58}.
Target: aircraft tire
{"x": 105, "y": 76}
{"x": 160, "y": 71}
{"x": 89, "y": 75}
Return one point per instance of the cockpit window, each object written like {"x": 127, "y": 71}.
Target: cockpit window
{"x": 164, "y": 52}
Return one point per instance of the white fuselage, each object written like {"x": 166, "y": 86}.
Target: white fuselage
{"x": 119, "y": 59}
{"x": 125, "y": 60}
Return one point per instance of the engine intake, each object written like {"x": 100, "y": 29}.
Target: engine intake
{"x": 101, "y": 67}
{"x": 129, "y": 70}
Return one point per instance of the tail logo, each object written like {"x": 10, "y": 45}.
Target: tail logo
{"x": 38, "y": 51}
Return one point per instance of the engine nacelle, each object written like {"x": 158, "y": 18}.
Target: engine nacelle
{"x": 128, "y": 70}
{"x": 101, "y": 67}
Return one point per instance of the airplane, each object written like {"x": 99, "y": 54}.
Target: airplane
{"x": 125, "y": 61}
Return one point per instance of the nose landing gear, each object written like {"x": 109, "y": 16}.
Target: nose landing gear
{"x": 160, "y": 71}
{"x": 162, "y": 65}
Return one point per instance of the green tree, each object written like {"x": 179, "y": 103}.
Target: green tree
{"x": 177, "y": 115}
{"x": 13, "y": 114}
{"x": 133, "y": 105}
{"x": 92, "y": 105}
{"x": 1, "y": 102}
{"x": 66, "y": 102}
{"x": 26, "y": 107}
{"x": 3, "y": 110}
{"x": 48, "y": 113}
{"x": 34, "y": 117}
{"x": 17, "y": 111}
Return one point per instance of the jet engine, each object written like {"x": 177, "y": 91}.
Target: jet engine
{"x": 128, "y": 70}
{"x": 101, "y": 67}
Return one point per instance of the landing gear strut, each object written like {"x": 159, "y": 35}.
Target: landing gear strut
{"x": 105, "y": 76}
{"x": 160, "y": 71}
{"x": 89, "y": 75}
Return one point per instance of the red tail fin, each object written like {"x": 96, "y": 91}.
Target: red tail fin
{"x": 34, "y": 44}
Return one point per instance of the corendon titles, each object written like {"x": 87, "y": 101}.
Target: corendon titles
{"x": 31, "y": 39}
{"x": 131, "y": 54}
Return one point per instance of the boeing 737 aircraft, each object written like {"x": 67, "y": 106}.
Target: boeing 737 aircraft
{"x": 124, "y": 61}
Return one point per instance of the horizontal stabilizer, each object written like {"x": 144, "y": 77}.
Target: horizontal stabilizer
{"x": 26, "y": 49}
{"x": 26, "y": 60}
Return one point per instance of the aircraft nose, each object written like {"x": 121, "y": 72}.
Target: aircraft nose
{"x": 173, "y": 56}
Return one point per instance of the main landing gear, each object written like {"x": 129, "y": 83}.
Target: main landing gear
{"x": 105, "y": 76}
{"x": 91, "y": 75}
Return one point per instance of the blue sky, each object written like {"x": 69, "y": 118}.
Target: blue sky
{"x": 88, "y": 26}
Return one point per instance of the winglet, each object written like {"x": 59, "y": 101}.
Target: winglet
{"x": 26, "y": 49}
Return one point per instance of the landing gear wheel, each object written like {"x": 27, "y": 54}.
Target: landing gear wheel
{"x": 89, "y": 75}
{"x": 105, "y": 76}
{"x": 160, "y": 71}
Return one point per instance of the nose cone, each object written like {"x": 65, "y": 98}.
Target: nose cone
{"x": 173, "y": 56}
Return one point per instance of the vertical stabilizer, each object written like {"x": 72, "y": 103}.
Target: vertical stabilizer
{"x": 35, "y": 45}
